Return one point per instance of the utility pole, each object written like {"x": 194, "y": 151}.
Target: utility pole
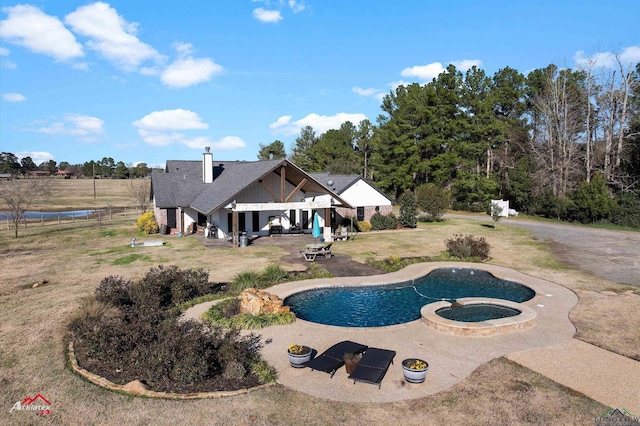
{"x": 93, "y": 163}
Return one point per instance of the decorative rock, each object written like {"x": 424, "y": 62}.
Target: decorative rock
{"x": 39, "y": 283}
{"x": 136, "y": 387}
{"x": 254, "y": 302}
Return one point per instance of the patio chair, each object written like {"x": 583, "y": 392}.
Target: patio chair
{"x": 373, "y": 366}
{"x": 332, "y": 359}
{"x": 326, "y": 251}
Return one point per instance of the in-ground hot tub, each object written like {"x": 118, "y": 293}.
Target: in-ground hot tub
{"x": 478, "y": 316}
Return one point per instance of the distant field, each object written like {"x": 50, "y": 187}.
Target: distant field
{"x": 78, "y": 194}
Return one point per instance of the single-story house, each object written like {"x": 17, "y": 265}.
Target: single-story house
{"x": 232, "y": 197}
{"x": 365, "y": 199}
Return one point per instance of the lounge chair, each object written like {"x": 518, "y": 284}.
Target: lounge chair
{"x": 373, "y": 366}
{"x": 332, "y": 359}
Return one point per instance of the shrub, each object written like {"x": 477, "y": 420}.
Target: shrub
{"x": 114, "y": 291}
{"x": 274, "y": 274}
{"x": 408, "y": 211}
{"x": 364, "y": 226}
{"x": 147, "y": 224}
{"x": 380, "y": 222}
{"x": 468, "y": 247}
{"x": 226, "y": 314}
{"x": 244, "y": 280}
{"x": 591, "y": 202}
{"x": 146, "y": 340}
{"x": 433, "y": 201}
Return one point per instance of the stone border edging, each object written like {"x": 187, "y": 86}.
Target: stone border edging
{"x": 104, "y": 383}
{"x": 523, "y": 321}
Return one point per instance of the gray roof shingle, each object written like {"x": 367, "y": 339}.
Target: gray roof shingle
{"x": 181, "y": 184}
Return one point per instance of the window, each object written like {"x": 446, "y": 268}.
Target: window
{"x": 171, "y": 218}
{"x": 292, "y": 218}
{"x": 360, "y": 214}
{"x": 255, "y": 225}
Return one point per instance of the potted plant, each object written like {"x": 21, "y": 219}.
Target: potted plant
{"x": 298, "y": 355}
{"x": 351, "y": 361}
{"x": 414, "y": 370}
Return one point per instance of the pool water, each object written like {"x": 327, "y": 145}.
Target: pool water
{"x": 477, "y": 312}
{"x": 398, "y": 303}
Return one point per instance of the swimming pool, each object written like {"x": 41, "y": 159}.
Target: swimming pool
{"x": 397, "y": 303}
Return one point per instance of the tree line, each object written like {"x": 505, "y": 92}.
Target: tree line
{"x": 104, "y": 168}
{"x": 558, "y": 142}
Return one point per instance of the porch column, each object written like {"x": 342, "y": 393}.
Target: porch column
{"x": 234, "y": 228}
{"x": 327, "y": 221}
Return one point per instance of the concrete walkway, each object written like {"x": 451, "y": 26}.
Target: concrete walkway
{"x": 607, "y": 377}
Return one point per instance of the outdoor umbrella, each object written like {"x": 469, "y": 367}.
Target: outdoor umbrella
{"x": 316, "y": 226}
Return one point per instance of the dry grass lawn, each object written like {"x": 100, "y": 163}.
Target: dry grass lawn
{"x": 73, "y": 258}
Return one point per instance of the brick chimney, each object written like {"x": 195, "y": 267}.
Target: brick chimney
{"x": 207, "y": 165}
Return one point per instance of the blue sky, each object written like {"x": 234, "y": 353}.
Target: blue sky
{"x": 156, "y": 80}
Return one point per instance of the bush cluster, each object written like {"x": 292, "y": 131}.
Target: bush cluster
{"x": 408, "y": 210}
{"x": 147, "y": 224}
{"x": 433, "y": 201}
{"x": 270, "y": 275}
{"x": 131, "y": 331}
{"x": 468, "y": 247}
{"x": 364, "y": 226}
{"x": 380, "y": 221}
{"x": 227, "y": 314}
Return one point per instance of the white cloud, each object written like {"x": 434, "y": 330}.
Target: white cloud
{"x": 264, "y": 15}
{"x": 296, "y": 6}
{"x": 87, "y": 128}
{"x": 161, "y": 128}
{"x": 183, "y": 48}
{"x": 280, "y": 122}
{"x": 395, "y": 84}
{"x": 4, "y": 51}
{"x": 364, "y": 92}
{"x": 370, "y": 92}
{"x": 110, "y": 35}
{"x": 628, "y": 56}
{"x": 38, "y": 157}
{"x": 320, "y": 123}
{"x": 171, "y": 119}
{"x": 467, "y": 64}
{"x": 432, "y": 70}
{"x": 28, "y": 26}
{"x": 226, "y": 143}
{"x": 13, "y": 97}
{"x": 185, "y": 72}
{"x": 157, "y": 138}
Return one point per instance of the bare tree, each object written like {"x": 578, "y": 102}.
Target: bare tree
{"x": 140, "y": 190}
{"x": 560, "y": 107}
{"x": 626, "y": 86}
{"x": 19, "y": 194}
{"x": 591, "y": 90}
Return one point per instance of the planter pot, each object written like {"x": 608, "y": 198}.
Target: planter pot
{"x": 413, "y": 375}
{"x": 299, "y": 360}
{"x": 350, "y": 367}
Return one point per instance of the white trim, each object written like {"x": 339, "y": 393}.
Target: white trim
{"x": 248, "y": 207}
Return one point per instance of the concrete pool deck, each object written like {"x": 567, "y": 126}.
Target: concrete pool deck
{"x": 548, "y": 347}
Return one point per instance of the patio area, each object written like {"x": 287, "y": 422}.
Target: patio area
{"x": 451, "y": 358}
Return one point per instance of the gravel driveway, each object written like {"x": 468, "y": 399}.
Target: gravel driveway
{"x": 612, "y": 255}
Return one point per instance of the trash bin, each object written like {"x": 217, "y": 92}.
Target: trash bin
{"x": 244, "y": 240}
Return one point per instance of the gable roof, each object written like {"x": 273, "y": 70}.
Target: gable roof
{"x": 181, "y": 184}
{"x": 343, "y": 182}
